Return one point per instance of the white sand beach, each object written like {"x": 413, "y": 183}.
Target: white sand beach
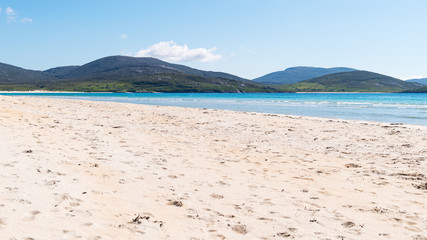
{"x": 75, "y": 169}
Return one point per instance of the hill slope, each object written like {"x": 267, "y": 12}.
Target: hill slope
{"x": 298, "y": 74}
{"x": 417, "y": 90}
{"x": 356, "y": 81}
{"x": 59, "y": 72}
{"x": 120, "y": 73}
{"x": 420, "y": 80}
{"x": 11, "y": 74}
{"x": 131, "y": 67}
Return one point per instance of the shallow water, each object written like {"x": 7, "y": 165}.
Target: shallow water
{"x": 410, "y": 108}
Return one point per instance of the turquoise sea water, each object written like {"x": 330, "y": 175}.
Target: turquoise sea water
{"x": 381, "y": 107}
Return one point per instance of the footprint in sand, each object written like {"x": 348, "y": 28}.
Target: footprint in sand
{"x": 349, "y": 224}
{"x": 240, "y": 228}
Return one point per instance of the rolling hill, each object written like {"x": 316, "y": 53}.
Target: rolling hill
{"x": 298, "y": 74}
{"x": 59, "y": 72}
{"x": 355, "y": 81}
{"x": 130, "y": 74}
{"x": 131, "y": 67}
{"x": 419, "y": 80}
{"x": 120, "y": 73}
{"x": 10, "y": 74}
{"x": 417, "y": 90}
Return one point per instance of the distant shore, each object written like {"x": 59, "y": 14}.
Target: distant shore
{"x": 79, "y": 169}
{"x": 37, "y": 91}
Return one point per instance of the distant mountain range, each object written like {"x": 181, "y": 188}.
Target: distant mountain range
{"x": 120, "y": 73}
{"x": 355, "y": 81}
{"x": 419, "y": 80}
{"x": 130, "y": 74}
{"x": 298, "y": 74}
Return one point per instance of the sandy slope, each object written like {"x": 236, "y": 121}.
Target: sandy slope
{"x": 92, "y": 170}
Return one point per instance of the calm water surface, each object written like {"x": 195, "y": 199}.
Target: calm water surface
{"x": 381, "y": 107}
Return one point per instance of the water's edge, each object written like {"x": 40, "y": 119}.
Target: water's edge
{"x": 380, "y": 107}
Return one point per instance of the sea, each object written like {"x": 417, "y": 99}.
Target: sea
{"x": 407, "y": 108}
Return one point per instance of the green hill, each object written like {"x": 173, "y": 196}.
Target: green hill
{"x": 417, "y": 90}
{"x": 356, "y": 81}
{"x": 419, "y": 80}
{"x": 131, "y": 67}
{"x": 125, "y": 74}
{"x": 59, "y": 72}
{"x": 10, "y": 75}
{"x": 298, "y": 74}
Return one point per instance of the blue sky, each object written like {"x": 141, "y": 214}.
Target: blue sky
{"x": 242, "y": 37}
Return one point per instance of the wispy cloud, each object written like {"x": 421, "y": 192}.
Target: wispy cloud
{"x": 10, "y": 11}
{"x": 26, "y": 20}
{"x": 170, "y": 51}
{"x": 11, "y": 15}
{"x": 124, "y": 36}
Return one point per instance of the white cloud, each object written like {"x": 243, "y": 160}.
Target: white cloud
{"x": 0, "y": 9}
{"x": 170, "y": 51}
{"x": 26, "y": 20}
{"x": 124, "y": 36}
{"x": 11, "y": 15}
{"x": 10, "y": 11}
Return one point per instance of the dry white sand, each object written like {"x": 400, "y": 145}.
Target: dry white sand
{"x": 93, "y": 170}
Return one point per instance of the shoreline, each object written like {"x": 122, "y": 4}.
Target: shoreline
{"x": 82, "y": 169}
{"x": 47, "y": 91}
{"x": 198, "y": 107}
{"x": 41, "y": 91}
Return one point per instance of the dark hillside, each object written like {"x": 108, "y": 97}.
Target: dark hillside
{"x": 356, "y": 81}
